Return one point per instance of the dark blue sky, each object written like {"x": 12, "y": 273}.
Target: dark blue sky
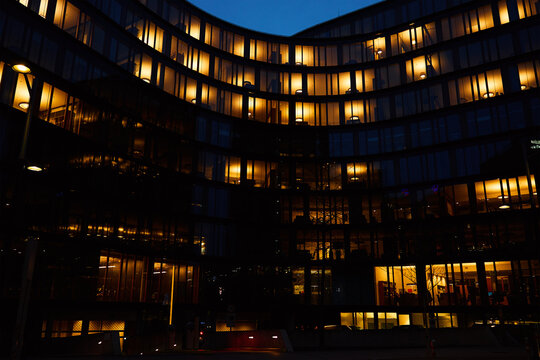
{"x": 280, "y": 17}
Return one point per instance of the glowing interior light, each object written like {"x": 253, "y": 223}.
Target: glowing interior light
{"x": 488, "y": 95}
{"x": 299, "y": 63}
{"x": 299, "y": 120}
{"x": 523, "y": 87}
{"x": 274, "y": 337}
{"x": 379, "y": 51}
{"x": 504, "y": 206}
{"x": 34, "y": 168}
{"x": 193, "y": 101}
{"x": 21, "y": 68}
{"x": 422, "y": 76}
{"x": 24, "y": 105}
{"x": 251, "y": 337}
{"x": 298, "y": 92}
{"x": 414, "y": 42}
{"x": 355, "y": 178}
{"x": 146, "y": 80}
{"x": 354, "y": 117}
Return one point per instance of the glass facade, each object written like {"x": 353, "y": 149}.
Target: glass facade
{"x": 378, "y": 169}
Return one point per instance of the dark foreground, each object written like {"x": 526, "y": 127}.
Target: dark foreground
{"x": 503, "y": 353}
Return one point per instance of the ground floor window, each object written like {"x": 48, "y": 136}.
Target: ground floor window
{"x": 453, "y": 284}
{"x": 389, "y": 320}
{"x": 396, "y": 285}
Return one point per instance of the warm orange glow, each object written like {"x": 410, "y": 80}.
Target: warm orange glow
{"x": 191, "y": 90}
{"x": 503, "y": 12}
{"x": 485, "y": 18}
{"x": 355, "y": 170}
{"x": 296, "y": 82}
{"x": 345, "y": 83}
{"x": 145, "y": 68}
{"x": 527, "y": 75}
{"x": 204, "y": 63}
{"x": 195, "y": 28}
{"x": 21, "y": 68}
{"x": 22, "y": 95}
{"x": 354, "y": 110}
{"x": 379, "y": 46}
{"x": 172, "y": 295}
{"x": 238, "y": 45}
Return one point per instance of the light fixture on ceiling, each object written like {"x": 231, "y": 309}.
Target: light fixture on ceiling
{"x": 34, "y": 168}
{"x": 21, "y": 68}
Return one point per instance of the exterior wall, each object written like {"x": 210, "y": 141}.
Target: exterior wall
{"x": 195, "y": 171}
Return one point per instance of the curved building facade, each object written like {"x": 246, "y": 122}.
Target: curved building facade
{"x": 373, "y": 171}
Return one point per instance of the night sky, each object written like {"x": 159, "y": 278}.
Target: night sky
{"x": 280, "y": 17}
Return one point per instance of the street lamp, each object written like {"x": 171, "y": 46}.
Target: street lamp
{"x": 28, "y": 106}
{"x": 32, "y": 246}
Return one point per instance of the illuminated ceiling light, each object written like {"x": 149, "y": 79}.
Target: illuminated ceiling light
{"x": 504, "y": 206}
{"x": 523, "y": 87}
{"x": 534, "y": 193}
{"x": 355, "y": 178}
{"x": 354, "y": 117}
{"x": 413, "y": 42}
{"x": 24, "y": 105}
{"x": 251, "y": 337}
{"x": 146, "y": 80}
{"x": 34, "y": 168}
{"x": 299, "y": 63}
{"x": 488, "y": 95}
{"x": 298, "y": 92}
{"x": 299, "y": 120}
{"x": 422, "y": 76}
{"x": 21, "y": 68}
{"x": 379, "y": 51}
{"x": 501, "y": 197}
{"x": 349, "y": 91}
{"x": 274, "y": 337}
{"x": 193, "y": 101}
